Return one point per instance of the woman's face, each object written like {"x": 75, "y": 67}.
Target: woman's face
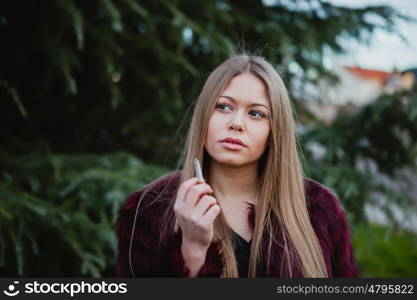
{"x": 241, "y": 114}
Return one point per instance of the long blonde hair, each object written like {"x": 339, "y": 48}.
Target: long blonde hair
{"x": 282, "y": 197}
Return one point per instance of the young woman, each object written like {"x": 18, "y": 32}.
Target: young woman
{"x": 254, "y": 215}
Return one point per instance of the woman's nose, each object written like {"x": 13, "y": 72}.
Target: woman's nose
{"x": 236, "y": 127}
{"x": 237, "y": 122}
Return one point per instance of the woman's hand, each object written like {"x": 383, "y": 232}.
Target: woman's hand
{"x": 196, "y": 211}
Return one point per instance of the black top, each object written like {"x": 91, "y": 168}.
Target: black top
{"x": 242, "y": 253}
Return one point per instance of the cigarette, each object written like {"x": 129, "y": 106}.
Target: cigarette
{"x": 197, "y": 169}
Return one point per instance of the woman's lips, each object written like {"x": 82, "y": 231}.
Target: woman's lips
{"x": 232, "y": 146}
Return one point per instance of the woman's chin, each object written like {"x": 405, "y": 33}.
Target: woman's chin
{"x": 230, "y": 161}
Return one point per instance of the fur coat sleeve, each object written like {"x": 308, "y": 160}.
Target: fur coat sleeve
{"x": 330, "y": 223}
{"x": 150, "y": 255}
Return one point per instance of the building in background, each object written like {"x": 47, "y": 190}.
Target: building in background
{"x": 357, "y": 87}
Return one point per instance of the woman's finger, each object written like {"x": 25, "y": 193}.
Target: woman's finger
{"x": 202, "y": 206}
{"x": 194, "y": 194}
{"x": 211, "y": 214}
{"x": 184, "y": 187}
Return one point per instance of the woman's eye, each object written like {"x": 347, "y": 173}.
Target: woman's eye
{"x": 257, "y": 114}
{"x": 227, "y": 107}
{"x": 223, "y": 106}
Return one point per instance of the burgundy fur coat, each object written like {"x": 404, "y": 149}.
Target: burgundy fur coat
{"x": 151, "y": 259}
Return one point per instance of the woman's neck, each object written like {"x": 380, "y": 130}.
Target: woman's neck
{"x": 233, "y": 184}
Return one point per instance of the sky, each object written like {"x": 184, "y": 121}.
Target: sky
{"x": 386, "y": 51}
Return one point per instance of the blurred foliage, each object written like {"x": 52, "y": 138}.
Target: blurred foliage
{"x": 361, "y": 155}
{"x": 58, "y": 212}
{"x": 383, "y": 252}
{"x": 93, "y": 75}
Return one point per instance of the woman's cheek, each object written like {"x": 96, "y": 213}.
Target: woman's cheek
{"x": 261, "y": 128}
{"x": 263, "y": 134}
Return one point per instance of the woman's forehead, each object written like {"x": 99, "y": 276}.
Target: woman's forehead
{"x": 247, "y": 88}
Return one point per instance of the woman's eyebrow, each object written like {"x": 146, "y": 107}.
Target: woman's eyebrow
{"x": 252, "y": 104}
